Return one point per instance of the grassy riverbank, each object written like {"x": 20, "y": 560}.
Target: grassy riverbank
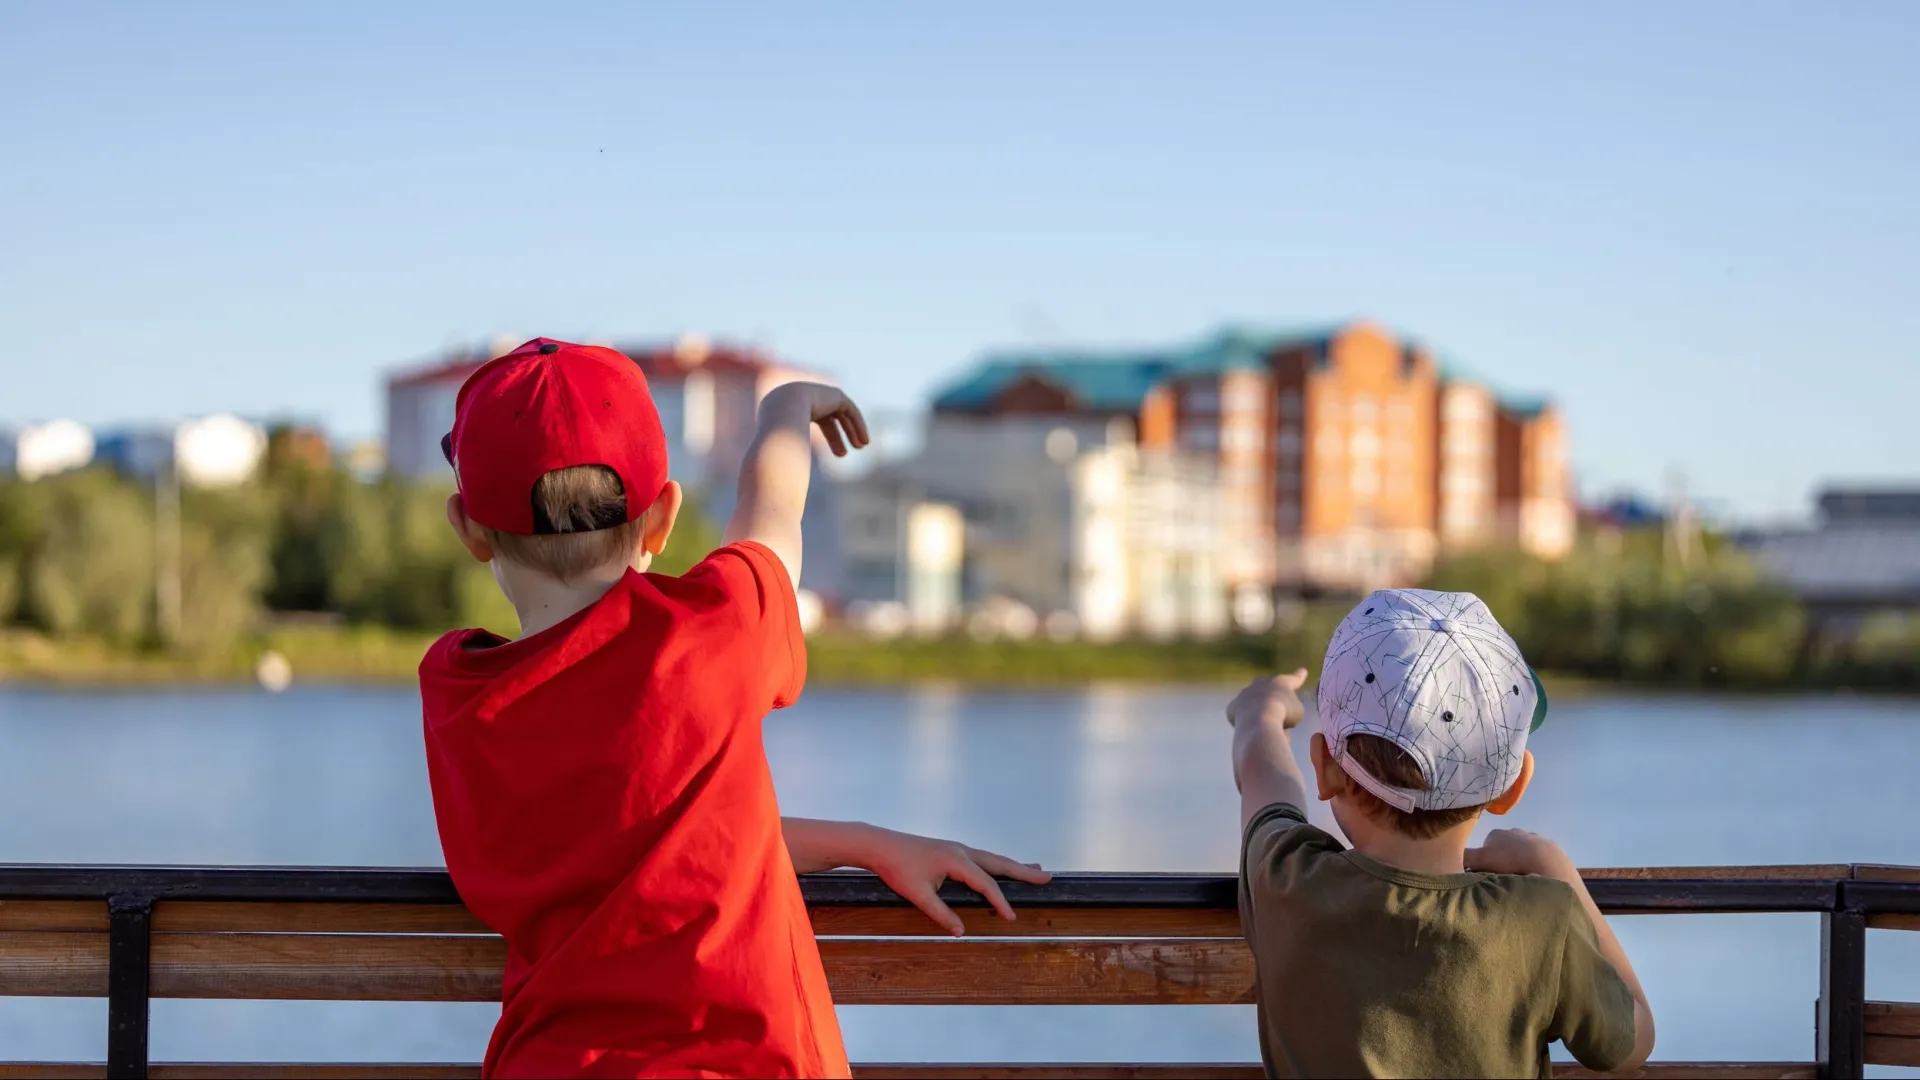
{"x": 379, "y": 655}
{"x": 375, "y": 655}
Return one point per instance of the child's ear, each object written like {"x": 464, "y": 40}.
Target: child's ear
{"x": 1328, "y": 777}
{"x": 657, "y": 522}
{"x": 472, "y": 537}
{"x": 1511, "y": 798}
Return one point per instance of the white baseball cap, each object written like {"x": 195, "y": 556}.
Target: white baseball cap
{"x": 1434, "y": 674}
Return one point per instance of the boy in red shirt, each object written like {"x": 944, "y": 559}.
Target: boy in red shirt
{"x": 602, "y": 793}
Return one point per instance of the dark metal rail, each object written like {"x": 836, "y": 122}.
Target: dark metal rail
{"x": 129, "y": 892}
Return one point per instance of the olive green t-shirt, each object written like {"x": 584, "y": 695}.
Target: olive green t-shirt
{"x": 1364, "y": 969}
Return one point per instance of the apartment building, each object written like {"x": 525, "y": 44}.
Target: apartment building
{"x": 1533, "y": 489}
{"x": 1466, "y": 465}
{"x": 1355, "y": 447}
{"x": 1221, "y": 407}
{"x": 1065, "y": 510}
{"x": 1342, "y": 457}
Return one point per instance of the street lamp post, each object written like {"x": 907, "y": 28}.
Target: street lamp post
{"x": 166, "y": 553}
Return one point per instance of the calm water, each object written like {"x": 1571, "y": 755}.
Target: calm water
{"x": 1099, "y": 780}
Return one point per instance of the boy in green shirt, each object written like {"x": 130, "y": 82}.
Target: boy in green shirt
{"x": 1411, "y": 954}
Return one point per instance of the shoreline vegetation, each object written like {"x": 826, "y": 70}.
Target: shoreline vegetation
{"x": 350, "y": 580}
{"x": 381, "y": 656}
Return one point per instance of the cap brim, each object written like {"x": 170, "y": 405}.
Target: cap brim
{"x": 1539, "y": 702}
{"x": 446, "y": 446}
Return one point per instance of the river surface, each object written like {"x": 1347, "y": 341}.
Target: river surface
{"x": 1101, "y": 779}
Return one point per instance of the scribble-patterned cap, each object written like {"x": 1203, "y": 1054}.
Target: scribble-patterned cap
{"x": 1433, "y": 673}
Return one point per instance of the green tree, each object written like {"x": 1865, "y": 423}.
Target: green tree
{"x": 88, "y": 568}
{"x": 19, "y": 523}
{"x": 224, "y": 567}
{"x": 1620, "y": 610}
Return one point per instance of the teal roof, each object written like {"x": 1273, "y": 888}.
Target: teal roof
{"x": 1115, "y": 381}
{"x": 1525, "y": 408}
{"x": 1118, "y": 381}
{"x": 1100, "y": 383}
{"x": 1452, "y": 370}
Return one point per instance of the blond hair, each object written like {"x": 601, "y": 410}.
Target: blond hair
{"x": 1394, "y": 767}
{"x": 574, "y": 503}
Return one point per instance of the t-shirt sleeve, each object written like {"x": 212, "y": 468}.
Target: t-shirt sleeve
{"x": 1595, "y": 1014}
{"x": 1275, "y": 853}
{"x": 763, "y": 619}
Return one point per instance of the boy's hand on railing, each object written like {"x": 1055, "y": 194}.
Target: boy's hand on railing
{"x": 915, "y": 867}
{"x": 1274, "y": 698}
{"x": 1516, "y": 851}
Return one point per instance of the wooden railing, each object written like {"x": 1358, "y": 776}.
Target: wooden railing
{"x": 130, "y": 934}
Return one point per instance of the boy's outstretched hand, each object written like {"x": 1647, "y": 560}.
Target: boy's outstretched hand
{"x": 1276, "y": 697}
{"x": 829, "y": 407}
{"x": 1263, "y": 765}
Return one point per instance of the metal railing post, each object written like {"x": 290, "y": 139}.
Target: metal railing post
{"x": 129, "y": 948}
{"x": 1840, "y": 1035}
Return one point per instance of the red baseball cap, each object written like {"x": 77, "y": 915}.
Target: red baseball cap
{"x": 553, "y": 405}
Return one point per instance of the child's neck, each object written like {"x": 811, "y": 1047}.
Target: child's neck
{"x": 544, "y": 602}
{"x": 1442, "y": 854}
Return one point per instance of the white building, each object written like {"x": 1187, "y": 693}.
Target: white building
{"x": 900, "y": 549}
{"x": 1066, "y": 518}
{"x": 218, "y": 451}
{"x": 213, "y": 451}
{"x": 40, "y": 450}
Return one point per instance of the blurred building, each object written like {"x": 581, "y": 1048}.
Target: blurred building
{"x": 1533, "y": 493}
{"x": 1061, "y": 517}
{"x": 212, "y": 451}
{"x": 1172, "y": 490}
{"x": 901, "y": 548}
{"x": 1862, "y": 558}
{"x": 39, "y": 450}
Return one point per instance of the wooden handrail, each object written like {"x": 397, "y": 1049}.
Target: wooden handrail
{"x": 133, "y": 933}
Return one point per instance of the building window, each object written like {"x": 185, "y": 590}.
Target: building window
{"x": 1287, "y": 446}
{"x": 1200, "y": 436}
{"x": 1203, "y": 399}
{"x": 1290, "y": 404}
{"x": 1464, "y": 407}
{"x": 1365, "y": 411}
{"x": 1242, "y": 399}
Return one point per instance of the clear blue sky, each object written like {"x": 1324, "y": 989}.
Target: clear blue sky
{"x": 1697, "y": 225}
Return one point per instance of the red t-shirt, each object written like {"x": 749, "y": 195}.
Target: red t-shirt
{"x": 604, "y": 803}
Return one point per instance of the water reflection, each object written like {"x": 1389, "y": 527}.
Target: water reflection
{"x": 1113, "y": 778}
